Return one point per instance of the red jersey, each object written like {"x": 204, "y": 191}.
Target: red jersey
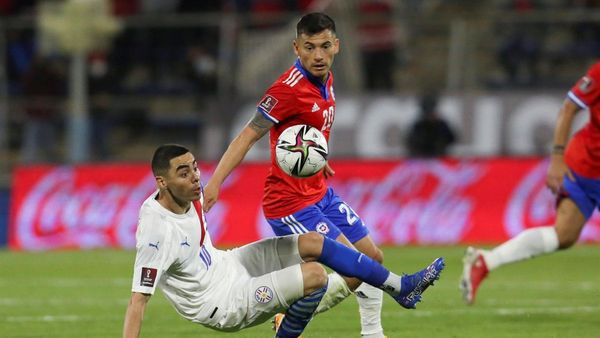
{"x": 297, "y": 97}
{"x": 583, "y": 151}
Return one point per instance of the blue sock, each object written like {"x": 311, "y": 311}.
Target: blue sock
{"x": 351, "y": 263}
{"x": 299, "y": 314}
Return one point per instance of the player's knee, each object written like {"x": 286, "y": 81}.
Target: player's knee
{"x": 377, "y": 255}
{"x": 567, "y": 240}
{"x": 315, "y": 276}
{"x": 310, "y": 246}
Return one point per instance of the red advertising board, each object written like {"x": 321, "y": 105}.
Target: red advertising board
{"x": 402, "y": 202}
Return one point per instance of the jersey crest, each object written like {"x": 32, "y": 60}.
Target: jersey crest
{"x": 263, "y": 294}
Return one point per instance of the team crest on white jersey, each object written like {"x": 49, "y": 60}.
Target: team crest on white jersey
{"x": 322, "y": 228}
{"x": 263, "y": 294}
{"x": 315, "y": 107}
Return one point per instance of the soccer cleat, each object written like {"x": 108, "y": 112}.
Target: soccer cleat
{"x": 277, "y": 321}
{"x": 414, "y": 285}
{"x": 474, "y": 272}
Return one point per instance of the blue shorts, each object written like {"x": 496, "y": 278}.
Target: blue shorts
{"x": 585, "y": 192}
{"x": 330, "y": 217}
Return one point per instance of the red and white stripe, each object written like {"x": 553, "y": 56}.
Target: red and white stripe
{"x": 293, "y": 78}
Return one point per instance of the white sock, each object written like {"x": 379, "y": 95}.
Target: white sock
{"x": 337, "y": 291}
{"x": 391, "y": 285}
{"x": 528, "y": 244}
{"x": 370, "y": 300}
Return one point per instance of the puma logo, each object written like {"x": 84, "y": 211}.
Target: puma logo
{"x": 154, "y": 245}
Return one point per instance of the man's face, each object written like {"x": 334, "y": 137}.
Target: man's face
{"x": 183, "y": 178}
{"x": 316, "y": 52}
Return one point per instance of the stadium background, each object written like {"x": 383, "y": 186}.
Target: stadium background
{"x": 191, "y": 72}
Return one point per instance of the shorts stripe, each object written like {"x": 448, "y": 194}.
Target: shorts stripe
{"x": 291, "y": 226}
{"x": 295, "y": 226}
{"x": 302, "y": 227}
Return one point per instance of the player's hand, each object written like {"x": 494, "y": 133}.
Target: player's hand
{"x": 557, "y": 170}
{"x": 211, "y": 194}
{"x": 327, "y": 171}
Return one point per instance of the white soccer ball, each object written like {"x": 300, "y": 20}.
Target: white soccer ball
{"x": 301, "y": 151}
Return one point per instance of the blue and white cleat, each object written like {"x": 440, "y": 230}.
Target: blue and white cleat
{"x": 414, "y": 285}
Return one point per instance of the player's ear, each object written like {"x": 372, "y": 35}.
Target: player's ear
{"x": 336, "y": 45}
{"x": 161, "y": 183}
{"x": 295, "y": 45}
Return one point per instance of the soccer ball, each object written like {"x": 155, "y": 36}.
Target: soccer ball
{"x": 301, "y": 151}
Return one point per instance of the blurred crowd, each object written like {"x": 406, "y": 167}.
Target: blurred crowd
{"x": 184, "y": 61}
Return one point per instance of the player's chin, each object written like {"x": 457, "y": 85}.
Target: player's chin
{"x": 195, "y": 195}
{"x": 319, "y": 71}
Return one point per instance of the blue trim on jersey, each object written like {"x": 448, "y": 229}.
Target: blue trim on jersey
{"x": 585, "y": 192}
{"x": 329, "y": 217}
{"x": 267, "y": 116}
{"x": 315, "y": 80}
{"x": 577, "y": 100}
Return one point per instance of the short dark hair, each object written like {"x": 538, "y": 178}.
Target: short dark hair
{"x": 314, "y": 23}
{"x": 163, "y": 155}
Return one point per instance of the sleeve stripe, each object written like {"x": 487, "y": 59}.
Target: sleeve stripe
{"x": 265, "y": 114}
{"x": 577, "y": 100}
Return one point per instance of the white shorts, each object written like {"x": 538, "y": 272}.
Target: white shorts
{"x": 269, "y": 281}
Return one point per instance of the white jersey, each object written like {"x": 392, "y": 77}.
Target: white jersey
{"x": 169, "y": 256}
{"x": 225, "y": 290}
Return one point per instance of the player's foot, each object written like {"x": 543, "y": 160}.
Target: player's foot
{"x": 277, "y": 321}
{"x": 474, "y": 271}
{"x": 414, "y": 285}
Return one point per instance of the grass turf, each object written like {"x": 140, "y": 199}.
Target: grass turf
{"x": 84, "y": 294}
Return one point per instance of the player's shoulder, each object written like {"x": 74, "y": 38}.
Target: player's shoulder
{"x": 289, "y": 81}
{"x": 150, "y": 220}
{"x": 594, "y": 70}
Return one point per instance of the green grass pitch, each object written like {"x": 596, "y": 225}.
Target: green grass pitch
{"x": 84, "y": 294}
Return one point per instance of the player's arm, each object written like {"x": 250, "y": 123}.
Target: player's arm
{"x": 562, "y": 130}
{"x": 135, "y": 314}
{"x": 256, "y": 128}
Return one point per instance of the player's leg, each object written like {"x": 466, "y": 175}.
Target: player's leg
{"x": 300, "y": 312}
{"x": 571, "y": 215}
{"x": 406, "y": 290}
{"x": 296, "y": 289}
{"x": 369, "y": 298}
{"x": 312, "y": 219}
{"x": 340, "y": 287}
{"x": 268, "y": 255}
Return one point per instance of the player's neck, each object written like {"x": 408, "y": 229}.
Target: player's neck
{"x": 173, "y": 204}
{"x": 319, "y": 80}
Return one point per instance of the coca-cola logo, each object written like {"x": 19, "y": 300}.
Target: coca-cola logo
{"x": 416, "y": 202}
{"x": 56, "y": 213}
{"x": 532, "y": 204}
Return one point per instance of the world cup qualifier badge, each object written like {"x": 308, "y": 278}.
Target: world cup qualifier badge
{"x": 263, "y": 294}
{"x": 268, "y": 103}
{"x": 148, "y": 277}
{"x": 585, "y": 84}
